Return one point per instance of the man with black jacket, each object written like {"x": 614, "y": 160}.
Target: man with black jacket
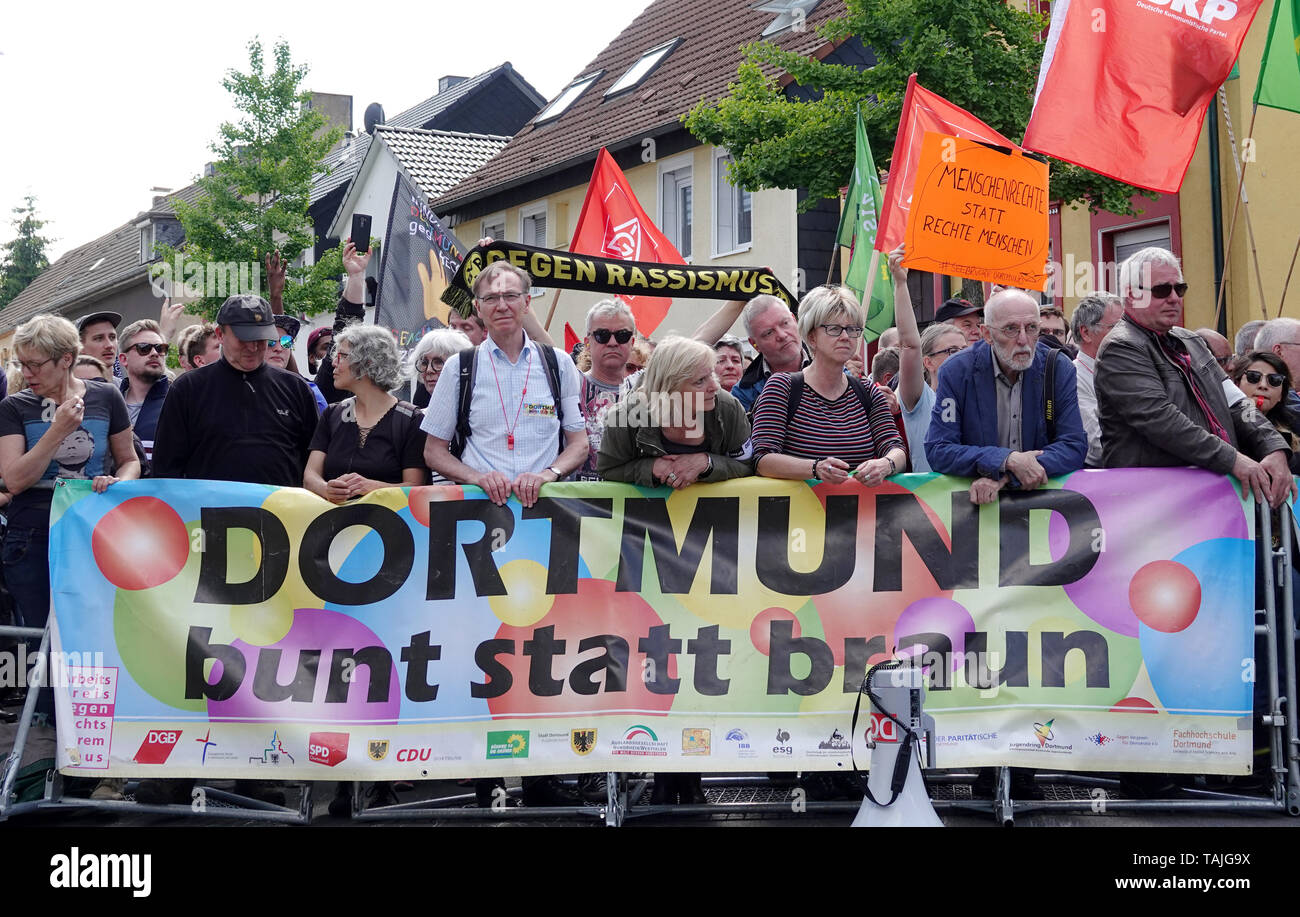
{"x": 237, "y": 419}
{"x": 144, "y": 357}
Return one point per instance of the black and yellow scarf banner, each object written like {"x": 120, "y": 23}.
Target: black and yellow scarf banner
{"x": 608, "y": 275}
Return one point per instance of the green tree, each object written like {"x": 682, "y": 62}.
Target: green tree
{"x": 24, "y": 256}
{"x": 256, "y": 201}
{"x": 980, "y": 54}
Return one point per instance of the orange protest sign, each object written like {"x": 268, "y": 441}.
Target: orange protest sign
{"x": 978, "y": 212}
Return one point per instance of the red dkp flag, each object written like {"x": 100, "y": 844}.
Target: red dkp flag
{"x": 923, "y": 111}
{"x": 612, "y": 224}
{"x": 1125, "y": 84}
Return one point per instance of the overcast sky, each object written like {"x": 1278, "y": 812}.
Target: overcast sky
{"x": 103, "y": 101}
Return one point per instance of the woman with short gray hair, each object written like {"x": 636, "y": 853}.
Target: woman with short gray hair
{"x": 370, "y": 440}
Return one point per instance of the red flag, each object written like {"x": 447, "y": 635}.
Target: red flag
{"x": 923, "y": 111}
{"x": 571, "y": 339}
{"x": 1124, "y": 86}
{"x": 613, "y": 225}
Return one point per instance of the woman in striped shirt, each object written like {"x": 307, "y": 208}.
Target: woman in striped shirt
{"x": 823, "y": 423}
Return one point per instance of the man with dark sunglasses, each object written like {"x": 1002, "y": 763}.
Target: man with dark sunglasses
{"x": 611, "y": 330}
{"x": 1160, "y": 392}
{"x": 144, "y": 360}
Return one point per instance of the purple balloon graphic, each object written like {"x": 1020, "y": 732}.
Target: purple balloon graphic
{"x": 936, "y": 615}
{"x": 320, "y": 630}
{"x": 1140, "y": 524}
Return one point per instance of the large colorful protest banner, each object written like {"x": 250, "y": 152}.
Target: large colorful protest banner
{"x": 979, "y": 212}
{"x": 232, "y": 630}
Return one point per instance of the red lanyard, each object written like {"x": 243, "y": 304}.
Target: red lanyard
{"x": 510, "y": 427}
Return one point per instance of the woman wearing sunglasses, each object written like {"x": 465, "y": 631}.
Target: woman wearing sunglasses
{"x": 1264, "y": 378}
{"x": 279, "y": 352}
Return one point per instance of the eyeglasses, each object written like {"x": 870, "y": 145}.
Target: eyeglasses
{"x": 143, "y": 349}
{"x": 836, "y": 330}
{"x": 602, "y": 335}
{"x": 423, "y": 364}
{"x": 30, "y": 367}
{"x": 947, "y": 351}
{"x": 285, "y": 341}
{"x": 1013, "y": 331}
{"x": 1275, "y": 380}
{"x": 1162, "y": 290}
{"x": 509, "y": 298}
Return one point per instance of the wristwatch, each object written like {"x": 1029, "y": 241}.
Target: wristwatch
{"x": 555, "y": 471}
{"x": 708, "y": 469}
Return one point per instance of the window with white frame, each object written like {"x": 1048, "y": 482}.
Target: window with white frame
{"x": 675, "y": 208}
{"x": 532, "y": 227}
{"x": 146, "y": 243}
{"x": 494, "y": 227}
{"x": 733, "y": 209}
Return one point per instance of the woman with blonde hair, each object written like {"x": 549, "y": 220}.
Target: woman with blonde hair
{"x": 822, "y": 422}
{"x": 677, "y": 427}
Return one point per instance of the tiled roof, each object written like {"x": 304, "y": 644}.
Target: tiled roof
{"x": 426, "y": 111}
{"x": 700, "y": 67}
{"x": 343, "y": 164}
{"x": 437, "y": 160}
{"x": 108, "y": 261}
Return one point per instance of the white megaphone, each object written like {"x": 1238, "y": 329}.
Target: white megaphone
{"x": 897, "y": 695}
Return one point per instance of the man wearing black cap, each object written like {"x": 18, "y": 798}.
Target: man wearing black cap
{"x": 237, "y": 419}
{"x": 98, "y": 332}
{"x": 964, "y": 316}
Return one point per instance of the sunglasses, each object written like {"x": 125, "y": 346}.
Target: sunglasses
{"x": 602, "y": 335}
{"x": 1162, "y": 290}
{"x": 285, "y": 341}
{"x": 1275, "y": 380}
{"x": 143, "y": 349}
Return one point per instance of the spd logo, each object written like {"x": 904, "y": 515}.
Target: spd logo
{"x": 328, "y": 748}
{"x": 881, "y": 729}
{"x": 157, "y": 745}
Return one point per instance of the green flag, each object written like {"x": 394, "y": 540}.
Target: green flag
{"x": 1279, "y": 72}
{"x": 858, "y": 228}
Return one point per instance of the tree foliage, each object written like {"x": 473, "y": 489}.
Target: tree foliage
{"x": 980, "y": 54}
{"x": 257, "y": 199}
{"x": 23, "y": 257}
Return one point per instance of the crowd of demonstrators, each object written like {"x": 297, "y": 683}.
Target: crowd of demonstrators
{"x": 821, "y": 422}
{"x": 677, "y": 427}
{"x": 729, "y": 363}
{"x": 970, "y": 401}
{"x": 919, "y": 357}
{"x": 1092, "y": 320}
{"x": 989, "y": 421}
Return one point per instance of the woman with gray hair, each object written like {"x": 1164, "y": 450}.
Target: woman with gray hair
{"x": 370, "y": 440}
{"x": 822, "y": 422}
{"x": 430, "y": 355}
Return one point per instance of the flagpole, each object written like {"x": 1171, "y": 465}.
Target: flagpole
{"x": 551, "y": 313}
{"x": 1288, "y": 277}
{"x": 1232, "y": 226}
{"x": 872, "y": 271}
{"x": 1250, "y": 228}
{"x": 835, "y": 253}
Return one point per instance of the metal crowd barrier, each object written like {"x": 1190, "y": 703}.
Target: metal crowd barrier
{"x": 757, "y": 794}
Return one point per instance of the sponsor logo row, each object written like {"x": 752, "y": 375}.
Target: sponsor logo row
{"x": 642, "y": 741}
